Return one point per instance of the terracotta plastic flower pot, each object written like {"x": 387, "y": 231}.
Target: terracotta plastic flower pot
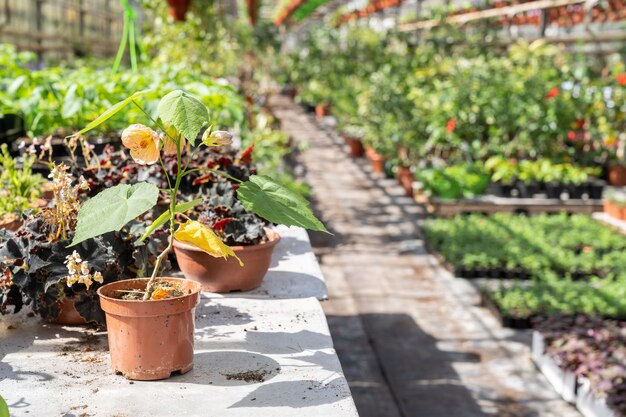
{"x": 178, "y": 9}
{"x": 10, "y": 224}
{"x": 377, "y": 161}
{"x": 220, "y": 275}
{"x": 355, "y": 147}
{"x": 607, "y": 206}
{"x": 68, "y": 315}
{"x": 405, "y": 179}
{"x": 615, "y": 211}
{"x": 617, "y": 175}
{"x": 321, "y": 110}
{"x": 150, "y": 340}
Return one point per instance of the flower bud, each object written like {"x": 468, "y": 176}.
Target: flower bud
{"x": 217, "y": 138}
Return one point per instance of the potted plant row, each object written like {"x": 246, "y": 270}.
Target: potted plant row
{"x": 591, "y": 350}
{"x": 150, "y": 320}
{"x": 510, "y": 246}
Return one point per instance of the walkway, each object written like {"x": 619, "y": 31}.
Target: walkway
{"x": 411, "y": 338}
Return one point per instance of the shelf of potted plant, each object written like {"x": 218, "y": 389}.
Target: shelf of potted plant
{"x": 139, "y": 308}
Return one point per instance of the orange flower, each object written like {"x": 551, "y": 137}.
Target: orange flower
{"x": 169, "y": 146}
{"x": 451, "y": 125}
{"x": 621, "y": 78}
{"x": 143, "y": 143}
{"x": 552, "y": 93}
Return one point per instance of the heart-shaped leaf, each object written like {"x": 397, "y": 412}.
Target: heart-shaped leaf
{"x": 276, "y": 203}
{"x": 112, "y": 208}
{"x": 184, "y": 112}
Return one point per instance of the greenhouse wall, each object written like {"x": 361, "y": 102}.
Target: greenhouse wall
{"x": 62, "y": 28}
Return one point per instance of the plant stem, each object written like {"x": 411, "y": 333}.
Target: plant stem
{"x": 173, "y": 193}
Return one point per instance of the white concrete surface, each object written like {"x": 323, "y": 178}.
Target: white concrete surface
{"x": 51, "y": 370}
{"x": 603, "y": 217}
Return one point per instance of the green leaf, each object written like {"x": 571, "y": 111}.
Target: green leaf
{"x": 184, "y": 112}
{"x": 71, "y": 102}
{"x": 112, "y": 208}
{"x": 111, "y": 111}
{"x": 4, "y": 408}
{"x": 276, "y": 203}
{"x": 162, "y": 219}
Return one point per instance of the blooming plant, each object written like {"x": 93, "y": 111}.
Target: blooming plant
{"x": 39, "y": 270}
{"x": 180, "y": 119}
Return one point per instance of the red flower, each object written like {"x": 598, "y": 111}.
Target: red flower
{"x": 246, "y": 156}
{"x": 451, "y": 125}
{"x": 571, "y": 135}
{"x": 221, "y": 224}
{"x": 621, "y": 78}
{"x": 552, "y": 93}
{"x": 580, "y": 123}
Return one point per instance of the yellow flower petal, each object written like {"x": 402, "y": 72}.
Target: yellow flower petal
{"x": 143, "y": 143}
{"x": 202, "y": 237}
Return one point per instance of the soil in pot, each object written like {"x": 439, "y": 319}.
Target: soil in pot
{"x": 220, "y": 275}
{"x": 150, "y": 340}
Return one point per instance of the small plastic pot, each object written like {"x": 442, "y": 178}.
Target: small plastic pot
{"x": 150, "y": 340}
{"x": 220, "y": 275}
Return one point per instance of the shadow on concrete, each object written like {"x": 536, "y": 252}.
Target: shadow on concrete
{"x": 229, "y": 368}
{"x": 394, "y": 368}
{"x": 294, "y": 394}
{"x": 210, "y": 315}
{"x": 21, "y": 403}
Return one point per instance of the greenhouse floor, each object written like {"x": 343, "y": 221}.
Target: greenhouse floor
{"x": 412, "y": 339}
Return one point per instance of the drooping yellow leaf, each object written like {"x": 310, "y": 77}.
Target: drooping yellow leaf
{"x": 202, "y": 237}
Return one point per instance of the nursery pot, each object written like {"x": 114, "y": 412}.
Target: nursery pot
{"x": 149, "y": 340}
{"x": 617, "y": 175}
{"x": 11, "y": 225}
{"x": 68, "y": 315}
{"x": 377, "y": 161}
{"x": 620, "y": 212}
{"x": 178, "y": 9}
{"x": 220, "y": 275}
{"x": 355, "y": 147}
{"x": 321, "y": 110}
{"x": 405, "y": 179}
